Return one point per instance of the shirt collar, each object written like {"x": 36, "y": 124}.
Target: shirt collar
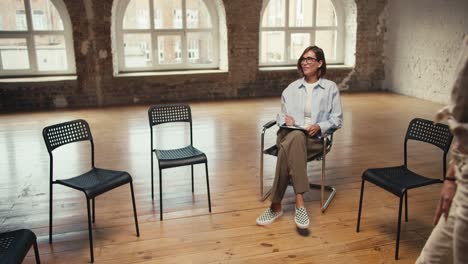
{"x": 303, "y": 84}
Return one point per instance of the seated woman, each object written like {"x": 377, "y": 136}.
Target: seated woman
{"x": 313, "y": 103}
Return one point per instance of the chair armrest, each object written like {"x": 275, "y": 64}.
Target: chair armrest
{"x": 269, "y": 124}
{"x": 266, "y": 126}
{"x": 329, "y": 133}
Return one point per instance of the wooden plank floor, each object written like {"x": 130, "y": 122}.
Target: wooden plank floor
{"x": 229, "y": 133}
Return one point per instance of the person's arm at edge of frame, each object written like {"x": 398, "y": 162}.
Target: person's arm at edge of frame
{"x": 446, "y": 194}
{"x": 456, "y": 112}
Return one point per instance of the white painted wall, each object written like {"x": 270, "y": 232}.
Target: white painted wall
{"x": 422, "y": 46}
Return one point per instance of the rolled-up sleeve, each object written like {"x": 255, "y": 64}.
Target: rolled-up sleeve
{"x": 335, "y": 118}
{"x": 280, "y": 116}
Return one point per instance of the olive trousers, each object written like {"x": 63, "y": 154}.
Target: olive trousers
{"x": 294, "y": 149}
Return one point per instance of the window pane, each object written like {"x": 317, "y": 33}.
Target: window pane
{"x": 274, "y": 14}
{"x": 327, "y": 41}
{"x": 325, "y": 13}
{"x": 300, "y": 13}
{"x": 13, "y": 16}
{"x": 45, "y": 16}
{"x": 197, "y": 14}
{"x": 137, "y": 50}
{"x": 299, "y": 41}
{"x": 168, "y": 14}
{"x": 200, "y": 47}
{"x": 51, "y": 54}
{"x": 169, "y": 49}
{"x": 137, "y": 15}
{"x": 14, "y": 53}
{"x": 272, "y": 49}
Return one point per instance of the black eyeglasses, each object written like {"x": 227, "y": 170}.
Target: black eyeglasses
{"x": 308, "y": 60}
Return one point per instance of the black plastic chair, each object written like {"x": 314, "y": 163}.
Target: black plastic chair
{"x": 189, "y": 155}
{"x": 398, "y": 180}
{"x": 92, "y": 183}
{"x": 14, "y": 246}
{"x": 327, "y": 141}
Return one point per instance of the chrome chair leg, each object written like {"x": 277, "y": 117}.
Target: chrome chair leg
{"x": 331, "y": 189}
{"x": 324, "y": 203}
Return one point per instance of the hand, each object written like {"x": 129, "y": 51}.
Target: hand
{"x": 289, "y": 120}
{"x": 446, "y": 196}
{"x": 312, "y": 130}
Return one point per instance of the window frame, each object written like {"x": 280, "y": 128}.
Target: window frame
{"x": 289, "y": 30}
{"x": 30, "y": 33}
{"x": 156, "y": 32}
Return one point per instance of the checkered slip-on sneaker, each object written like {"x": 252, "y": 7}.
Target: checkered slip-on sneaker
{"x": 301, "y": 218}
{"x": 268, "y": 217}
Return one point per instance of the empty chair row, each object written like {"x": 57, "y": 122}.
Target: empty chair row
{"x": 97, "y": 181}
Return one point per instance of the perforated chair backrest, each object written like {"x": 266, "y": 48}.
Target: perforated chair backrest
{"x": 427, "y": 131}
{"x": 433, "y": 133}
{"x": 65, "y": 133}
{"x": 159, "y": 114}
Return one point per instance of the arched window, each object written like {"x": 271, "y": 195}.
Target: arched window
{"x": 35, "y": 38}
{"x": 161, "y": 35}
{"x": 289, "y": 26}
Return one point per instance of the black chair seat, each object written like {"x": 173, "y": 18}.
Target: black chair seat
{"x": 179, "y": 157}
{"x": 397, "y": 179}
{"x": 14, "y": 245}
{"x": 273, "y": 151}
{"x": 97, "y": 181}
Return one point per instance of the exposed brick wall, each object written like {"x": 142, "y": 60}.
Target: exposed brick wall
{"x": 369, "y": 68}
{"x": 96, "y": 85}
{"x": 421, "y": 58}
{"x": 31, "y": 96}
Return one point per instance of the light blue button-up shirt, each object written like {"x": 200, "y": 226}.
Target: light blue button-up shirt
{"x": 325, "y": 101}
